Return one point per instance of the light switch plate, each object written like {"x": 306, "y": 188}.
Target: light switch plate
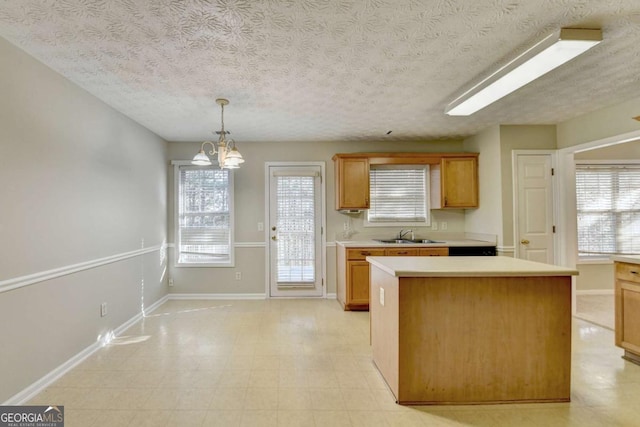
{"x": 382, "y": 296}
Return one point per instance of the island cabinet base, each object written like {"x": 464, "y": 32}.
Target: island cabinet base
{"x": 463, "y": 340}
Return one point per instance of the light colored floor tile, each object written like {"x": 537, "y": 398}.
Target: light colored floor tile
{"x": 332, "y": 418}
{"x": 287, "y": 418}
{"x": 187, "y": 418}
{"x": 302, "y": 362}
{"x": 261, "y": 398}
{"x": 222, "y": 419}
{"x": 259, "y": 418}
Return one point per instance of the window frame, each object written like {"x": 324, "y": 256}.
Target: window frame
{"x": 598, "y": 258}
{"x": 176, "y": 218}
{"x": 427, "y": 201}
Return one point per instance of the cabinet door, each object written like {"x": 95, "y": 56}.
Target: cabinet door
{"x": 631, "y": 317}
{"x": 358, "y": 283}
{"x": 352, "y": 183}
{"x": 459, "y": 181}
{"x": 434, "y": 252}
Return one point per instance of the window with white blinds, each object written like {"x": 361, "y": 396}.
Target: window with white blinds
{"x": 398, "y": 195}
{"x": 204, "y": 231}
{"x": 608, "y": 205}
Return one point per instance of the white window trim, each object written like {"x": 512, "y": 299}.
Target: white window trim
{"x": 425, "y": 223}
{"x": 176, "y": 219}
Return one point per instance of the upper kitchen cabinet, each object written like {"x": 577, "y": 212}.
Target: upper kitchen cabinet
{"x": 352, "y": 182}
{"x": 458, "y": 179}
{"x": 454, "y": 177}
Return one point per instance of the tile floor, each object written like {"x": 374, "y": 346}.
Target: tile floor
{"x": 598, "y": 309}
{"x": 300, "y": 363}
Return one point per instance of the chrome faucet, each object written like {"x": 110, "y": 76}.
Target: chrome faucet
{"x": 403, "y": 233}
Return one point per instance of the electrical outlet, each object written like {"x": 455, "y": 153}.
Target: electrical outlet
{"x": 103, "y": 309}
{"x": 238, "y": 275}
{"x": 345, "y": 226}
{"x": 261, "y": 226}
{"x": 434, "y": 225}
{"x": 170, "y": 282}
{"x": 443, "y": 225}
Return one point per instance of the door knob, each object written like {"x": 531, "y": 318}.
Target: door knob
{"x": 524, "y": 241}
{"x": 273, "y": 228}
{"x": 274, "y": 238}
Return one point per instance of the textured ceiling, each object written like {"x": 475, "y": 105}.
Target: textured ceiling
{"x": 313, "y": 70}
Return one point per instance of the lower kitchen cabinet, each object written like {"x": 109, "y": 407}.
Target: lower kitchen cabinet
{"x": 627, "y": 308}
{"x": 353, "y": 271}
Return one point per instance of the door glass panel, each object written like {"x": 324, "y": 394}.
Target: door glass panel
{"x": 295, "y": 208}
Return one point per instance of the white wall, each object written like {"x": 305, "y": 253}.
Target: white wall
{"x": 81, "y": 183}
{"x": 249, "y": 206}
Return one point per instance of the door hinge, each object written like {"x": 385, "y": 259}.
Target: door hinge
{"x": 553, "y": 228}
{"x": 321, "y": 230}
{"x": 322, "y": 282}
{"x": 553, "y": 171}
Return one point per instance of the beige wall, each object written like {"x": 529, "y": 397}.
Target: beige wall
{"x": 629, "y": 150}
{"x": 488, "y": 217}
{"x": 600, "y": 124}
{"x": 81, "y": 182}
{"x": 249, "y": 207}
{"x": 595, "y": 277}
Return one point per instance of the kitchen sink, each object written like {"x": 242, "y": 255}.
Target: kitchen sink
{"x": 407, "y": 241}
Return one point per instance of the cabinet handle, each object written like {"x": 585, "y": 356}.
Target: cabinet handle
{"x": 365, "y": 253}
{"x": 633, "y": 272}
{"x": 402, "y": 253}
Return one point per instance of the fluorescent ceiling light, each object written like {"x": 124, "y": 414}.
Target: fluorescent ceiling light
{"x": 556, "y": 49}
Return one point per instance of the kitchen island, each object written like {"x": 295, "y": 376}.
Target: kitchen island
{"x": 460, "y": 330}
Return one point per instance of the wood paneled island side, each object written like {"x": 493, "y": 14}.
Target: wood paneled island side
{"x": 460, "y": 330}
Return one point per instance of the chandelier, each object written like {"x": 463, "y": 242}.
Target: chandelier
{"x": 228, "y": 155}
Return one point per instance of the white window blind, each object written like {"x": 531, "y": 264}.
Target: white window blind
{"x": 608, "y": 205}
{"x": 204, "y": 216}
{"x": 398, "y": 194}
{"x": 296, "y": 228}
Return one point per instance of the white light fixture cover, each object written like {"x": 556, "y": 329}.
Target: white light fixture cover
{"x": 556, "y": 49}
{"x": 228, "y": 155}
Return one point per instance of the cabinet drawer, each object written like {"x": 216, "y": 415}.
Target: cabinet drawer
{"x": 434, "y": 252}
{"x": 628, "y": 272}
{"x": 401, "y": 251}
{"x": 362, "y": 253}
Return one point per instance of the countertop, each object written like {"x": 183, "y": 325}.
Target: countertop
{"x": 631, "y": 259}
{"x": 454, "y": 266}
{"x": 440, "y": 243}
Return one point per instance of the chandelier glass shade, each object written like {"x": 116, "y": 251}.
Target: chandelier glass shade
{"x": 228, "y": 155}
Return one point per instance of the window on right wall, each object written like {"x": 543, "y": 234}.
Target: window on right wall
{"x": 399, "y": 195}
{"x": 608, "y": 205}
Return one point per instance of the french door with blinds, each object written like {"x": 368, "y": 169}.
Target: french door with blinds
{"x": 295, "y": 223}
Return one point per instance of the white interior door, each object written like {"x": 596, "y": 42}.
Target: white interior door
{"x": 534, "y": 228}
{"x": 295, "y": 230}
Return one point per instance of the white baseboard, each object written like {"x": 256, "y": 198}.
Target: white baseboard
{"x": 31, "y": 391}
{"x": 595, "y": 292}
{"x": 216, "y": 296}
{"x": 332, "y": 296}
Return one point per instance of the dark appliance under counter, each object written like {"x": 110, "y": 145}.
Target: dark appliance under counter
{"x": 472, "y": 251}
